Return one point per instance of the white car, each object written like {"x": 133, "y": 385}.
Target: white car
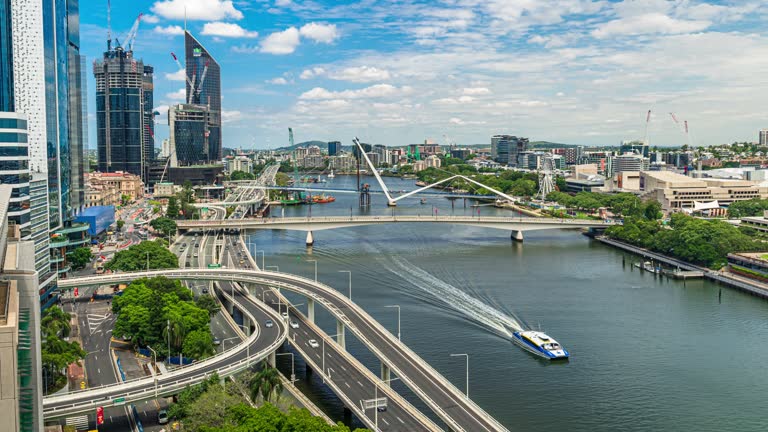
{"x": 313, "y": 343}
{"x": 285, "y": 315}
{"x": 294, "y": 324}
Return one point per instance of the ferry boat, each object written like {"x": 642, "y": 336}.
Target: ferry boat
{"x": 540, "y": 344}
{"x": 323, "y": 199}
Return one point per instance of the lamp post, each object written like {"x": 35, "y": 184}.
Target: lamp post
{"x": 262, "y": 257}
{"x": 398, "y": 318}
{"x": 350, "y": 281}
{"x": 154, "y": 362}
{"x": 467, "y": 356}
{"x": 293, "y": 375}
{"x": 247, "y": 345}
{"x": 314, "y": 261}
{"x": 228, "y": 339}
{"x": 323, "y": 352}
{"x": 376, "y": 401}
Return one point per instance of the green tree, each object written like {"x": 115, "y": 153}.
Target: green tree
{"x": 266, "y": 383}
{"x": 210, "y": 410}
{"x": 56, "y": 353}
{"x": 172, "y": 211}
{"x": 152, "y": 254}
{"x": 208, "y": 303}
{"x": 80, "y": 257}
{"x": 241, "y": 175}
{"x": 120, "y": 224}
{"x": 165, "y": 226}
{"x": 198, "y": 344}
{"x": 125, "y": 199}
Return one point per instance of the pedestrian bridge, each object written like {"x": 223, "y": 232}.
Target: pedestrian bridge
{"x": 515, "y": 224}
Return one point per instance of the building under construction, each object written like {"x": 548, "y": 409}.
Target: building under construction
{"x": 125, "y": 138}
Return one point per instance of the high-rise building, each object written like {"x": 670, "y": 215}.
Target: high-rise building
{"x": 190, "y": 131}
{"x": 119, "y": 114}
{"x": 14, "y": 168}
{"x": 205, "y": 74}
{"x": 763, "y": 139}
{"x": 38, "y": 203}
{"x": 506, "y": 148}
{"x": 6, "y": 57}
{"x": 334, "y": 147}
{"x": 84, "y": 112}
{"x": 148, "y": 133}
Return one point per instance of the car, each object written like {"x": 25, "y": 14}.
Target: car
{"x": 194, "y": 255}
{"x": 381, "y": 408}
{"x": 285, "y": 315}
{"x": 216, "y": 341}
{"x": 197, "y": 245}
{"x": 162, "y": 417}
{"x": 268, "y": 323}
{"x": 126, "y": 338}
{"x": 313, "y": 343}
{"x": 205, "y": 290}
{"x": 294, "y": 324}
{"x": 183, "y": 245}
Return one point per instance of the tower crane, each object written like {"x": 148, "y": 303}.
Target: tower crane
{"x": 130, "y": 37}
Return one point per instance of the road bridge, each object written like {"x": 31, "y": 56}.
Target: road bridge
{"x": 517, "y": 225}
{"x": 448, "y": 402}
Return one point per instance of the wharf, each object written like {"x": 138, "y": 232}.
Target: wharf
{"x": 752, "y": 287}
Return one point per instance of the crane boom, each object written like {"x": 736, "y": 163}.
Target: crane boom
{"x": 674, "y": 118}
{"x": 131, "y": 38}
{"x": 192, "y": 86}
{"x": 202, "y": 77}
{"x": 181, "y": 68}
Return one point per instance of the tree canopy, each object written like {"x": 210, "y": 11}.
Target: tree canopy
{"x": 164, "y": 225}
{"x": 747, "y": 208}
{"x": 157, "y": 311}
{"x": 56, "y": 353}
{"x": 80, "y": 257}
{"x": 152, "y": 254}
{"x": 241, "y": 175}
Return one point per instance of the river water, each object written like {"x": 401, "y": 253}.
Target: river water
{"x": 646, "y": 354}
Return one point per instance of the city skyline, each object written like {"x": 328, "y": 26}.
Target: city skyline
{"x": 576, "y": 72}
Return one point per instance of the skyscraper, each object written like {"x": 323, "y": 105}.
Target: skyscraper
{"x": 334, "y": 147}
{"x": 148, "y": 133}
{"x": 6, "y": 57}
{"x": 506, "y": 148}
{"x": 205, "y": 74}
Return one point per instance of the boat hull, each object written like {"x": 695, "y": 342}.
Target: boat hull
{"x": 528, "y": 346}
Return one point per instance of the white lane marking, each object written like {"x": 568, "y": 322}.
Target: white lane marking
{"x": 342, "y": 366}
{"x": 361, "y": 384}
{"x": 347, "y": 384}
{"x": 385, "y": 421}
{"x": 98, "y": 370}
{"x": 401, "y": 420}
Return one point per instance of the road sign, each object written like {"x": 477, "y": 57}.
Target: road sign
{"x": 214, "y": 266}
{"x": 374, "y": 403}
{"x": 99, "y": 415}
{"x": 118, "y": 401}
{"x": 75, "y": 291}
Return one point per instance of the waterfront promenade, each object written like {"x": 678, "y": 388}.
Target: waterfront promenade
{"x": 752, "y": 287}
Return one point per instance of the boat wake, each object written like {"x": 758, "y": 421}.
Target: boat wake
{"x": 470, "y": 307}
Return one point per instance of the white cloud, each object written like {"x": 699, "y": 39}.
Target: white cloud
{"x": 374, "y": 91}
{"x": 284, "y": 42}
{"x": 360, "y": 74}
{"x": 150, "y": 19}
{"x": 323, "y": 33}
{"x": 179, "y": 95}
{"x": 230, "y": 116}
{"x": 179, "y": 75}
{"x": 278, "y": 81}
{"x": 650, "y": 23}
{"x": 227, "y": 30}
{"x": 311, "y": 73}
{"x": 171, "y": 30}
{"x": 474, "y": 91}
{"x": 246, "y": 49}
{"x": 196, "y": 9}
{"x": 283, "y": 2}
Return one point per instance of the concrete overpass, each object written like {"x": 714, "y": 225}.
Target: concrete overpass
{"x": 517, "y": 225}
{"x": 441, "y": 396}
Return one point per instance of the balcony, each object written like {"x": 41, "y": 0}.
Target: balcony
{"x": 75, "y": 228}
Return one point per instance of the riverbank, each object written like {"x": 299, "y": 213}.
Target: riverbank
{"x": 524, "y": 210}
{"x": 744, "y": 284}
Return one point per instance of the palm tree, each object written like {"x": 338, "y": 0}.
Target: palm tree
{"x": 266, "y": 382}
{"x": 56, "y": 322}
{"x": 175, "y": 333}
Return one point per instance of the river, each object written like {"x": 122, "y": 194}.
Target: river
{"x": 646, "y": 354}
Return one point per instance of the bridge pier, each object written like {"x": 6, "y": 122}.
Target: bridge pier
{"x": 517, "y": 236}
{"x": 392, "y": 204}
{"x": 386, "y": 374}
{"x": 271, "y": 359}
{"x": 310, "y": 239}
{"x": 340, "y": 334}
{"x": 310, "y": 310}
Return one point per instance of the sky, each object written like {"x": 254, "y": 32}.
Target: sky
{"x": 396, "y": 72}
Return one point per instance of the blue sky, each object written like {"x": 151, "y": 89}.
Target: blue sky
{"x": 401, "y": 71}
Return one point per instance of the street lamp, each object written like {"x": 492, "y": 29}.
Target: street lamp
{"x": 228, "y": 339}
{"x": 262, "y": 257}
{"x": 323, "y": 340}
{"x": 314, "y": 261}
{"x": 154, "y": 362}
{"x": 293, "y": 375}
{"x": 467, "y": 356}
{"x": 247, "y": 345}
{"x": 350, "y": 281}
{"x": 398, "y": 318}
{"x": 376, "y": 401}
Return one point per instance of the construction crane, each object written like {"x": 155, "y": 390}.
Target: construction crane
{"x": 202, "y": 77}
{"x": 130, "y": 37}
{"x": 647, "y": 120}
{"x": 683, "y": 129}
